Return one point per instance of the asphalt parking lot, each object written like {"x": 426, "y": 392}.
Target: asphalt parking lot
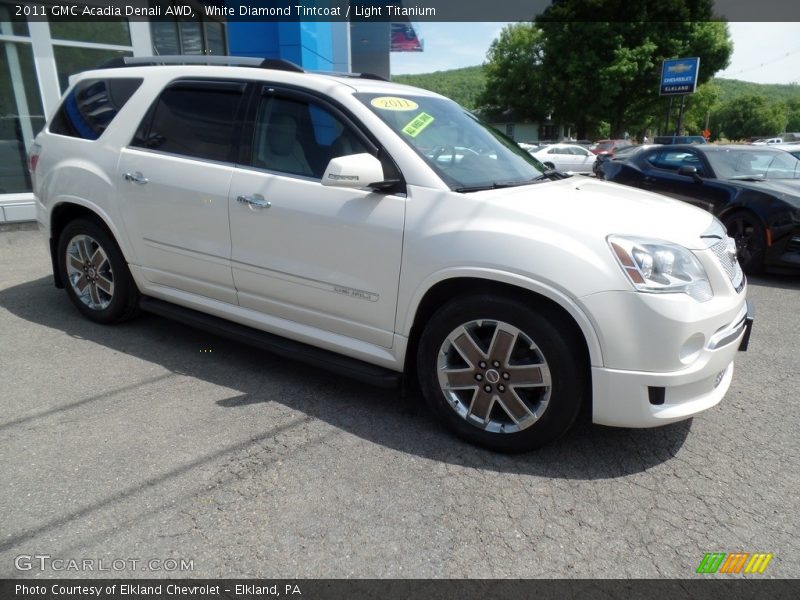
{"x": 153, "y": 441}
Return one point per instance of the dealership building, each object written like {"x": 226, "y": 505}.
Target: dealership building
{"x": 37, "y": 57}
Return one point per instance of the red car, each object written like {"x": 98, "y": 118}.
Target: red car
{"x": 609, "y": 146}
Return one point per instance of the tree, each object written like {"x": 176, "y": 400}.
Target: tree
{"x": 700, "y": 106}
{"x": 749, "y": 116}
{"x": 513, "y": 64}
{"x": 793, "y": 115}
{"x": 593, "y": 70}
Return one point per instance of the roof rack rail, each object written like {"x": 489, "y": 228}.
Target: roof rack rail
{"x": 351, "y": 75}
{"x": 184, "y": 59}
{"x": 279, "y": 64}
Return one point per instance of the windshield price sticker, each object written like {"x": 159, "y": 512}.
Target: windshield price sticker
{"x": 392, "y": 103}
{"x": 420, "y": 122}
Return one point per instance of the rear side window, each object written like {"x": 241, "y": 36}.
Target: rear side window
{"x": 194, "y": 119}
{"x": 90, "y": 107}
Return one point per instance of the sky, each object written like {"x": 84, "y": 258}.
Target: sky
{"x": 762, "y": 52}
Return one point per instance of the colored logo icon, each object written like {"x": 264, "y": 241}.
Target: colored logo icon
{"x": 736, "y": 562}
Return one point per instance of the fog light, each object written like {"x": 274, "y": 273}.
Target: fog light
{"x": 691, "y": 348}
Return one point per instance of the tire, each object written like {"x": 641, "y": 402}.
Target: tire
{"x": 751, "y": 240}
{"x": 549, "y": 165}
{"x": 473, "y": 350}
{"x": 95, "y": 274}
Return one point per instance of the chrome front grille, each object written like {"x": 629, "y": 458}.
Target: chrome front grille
{"x": 725, "y": 251}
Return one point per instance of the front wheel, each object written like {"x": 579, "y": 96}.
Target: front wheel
{"x": 500, "y": 374}
{"x": 750, "y": 238}
{"x": 95, "y": 273}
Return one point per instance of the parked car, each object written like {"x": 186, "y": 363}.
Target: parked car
{"x": 679, "y": 139}
{"x": 754, "y": 191}
{"x": 609, "y": 146}
{"x": 768, "y": 141}
{"x": 565, "y": 157}
{"x": 621, "y": 154}
{"x": 792, "y": 148}
{"x": 309, "y": 214}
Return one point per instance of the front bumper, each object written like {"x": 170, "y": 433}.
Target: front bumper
{"x": 650, "y": 399}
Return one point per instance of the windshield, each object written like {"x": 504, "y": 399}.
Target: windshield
{"x": 749, "y": 163}
{"x": 466, "y": 153}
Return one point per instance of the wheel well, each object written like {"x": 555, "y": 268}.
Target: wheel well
{"x": 62, "y": 215}
{"x": 448, "y": 289}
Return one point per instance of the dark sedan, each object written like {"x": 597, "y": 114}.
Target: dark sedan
{"x": 754, "y": 191}
{"x": 621, "y": 154}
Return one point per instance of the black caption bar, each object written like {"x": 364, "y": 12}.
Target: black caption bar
{"x": 377, "y": 10}
{"x": 369, "y": 589}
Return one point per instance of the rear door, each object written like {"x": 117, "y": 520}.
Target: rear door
{"x": 173, "y": 180}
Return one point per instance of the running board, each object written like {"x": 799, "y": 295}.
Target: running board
{"x": 324, "y": 359}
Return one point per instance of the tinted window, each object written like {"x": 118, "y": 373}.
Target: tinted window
{"x": 294, "y": 136}
{"x": 193, "y": 120}
{"x": 91, "y": 105}
{"x": 672, "y": 160}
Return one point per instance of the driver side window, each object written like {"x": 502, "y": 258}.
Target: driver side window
{"x": 299, "y": 138}
{"x": 672, "y": 160}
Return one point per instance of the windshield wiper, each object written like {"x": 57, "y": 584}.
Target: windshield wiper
{"x": 548, "y": 174}
{"x": 495, "y": 185}
{"x": 553, "y": 174}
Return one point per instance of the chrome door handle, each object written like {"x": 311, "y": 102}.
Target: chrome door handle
{"x": 136, "y": 177}
{"x": 256, "y": 201}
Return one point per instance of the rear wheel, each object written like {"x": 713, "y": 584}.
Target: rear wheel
{"x": 751, "y": 242}
{"x": 95, "y": 273}
{"x": 500, "y": 374}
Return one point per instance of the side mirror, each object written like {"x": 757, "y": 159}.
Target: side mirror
{"x": 689, "y": 171}
{"x": 353, "y": 171}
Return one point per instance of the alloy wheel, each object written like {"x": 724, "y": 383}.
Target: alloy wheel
{"x": 494, "y": 376}
{"x": 89, "y": 272}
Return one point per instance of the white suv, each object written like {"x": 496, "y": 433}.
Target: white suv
{"x": 380, "y": 230}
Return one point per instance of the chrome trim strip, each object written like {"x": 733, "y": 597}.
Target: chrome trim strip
{"x": 730, "y": 333}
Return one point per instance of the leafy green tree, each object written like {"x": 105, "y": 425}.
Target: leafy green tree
{"x": 793, "y": 115}
{"x": 593, "y": 70}
{"x": 700, "y": 105}
{"x": 749, "y": 116}
{"x": 512, "y": 73}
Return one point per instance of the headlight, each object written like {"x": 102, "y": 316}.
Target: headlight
{"x": 657, "y": 266}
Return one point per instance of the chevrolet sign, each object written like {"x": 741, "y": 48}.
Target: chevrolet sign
{"x": 679, "y": 76}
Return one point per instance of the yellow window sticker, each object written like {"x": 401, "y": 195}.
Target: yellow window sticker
{"x": 416, "y": 126}
{"x": 393, "y": 103}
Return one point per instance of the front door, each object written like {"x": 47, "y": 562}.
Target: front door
{"x": 320, "y": 256}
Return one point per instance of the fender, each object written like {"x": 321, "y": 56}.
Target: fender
{"x": 573, "y": 308}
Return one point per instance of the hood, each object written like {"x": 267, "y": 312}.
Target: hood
{"x": 588, "y": 206}
{"x": 787, "y": 190}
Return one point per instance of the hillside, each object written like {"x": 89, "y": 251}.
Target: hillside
{"x": 462, "y": 85}
{"x": 734, "y": 88}
{"x": 465, "y": 85}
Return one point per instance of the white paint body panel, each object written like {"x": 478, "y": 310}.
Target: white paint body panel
{"x": 346, "y": 269}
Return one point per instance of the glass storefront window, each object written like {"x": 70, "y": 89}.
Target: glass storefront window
{"x": 9, "y": 27}
{"x": 70, "y": 60}
{"x": 172, "y": 37}
{"x": 165, "y": 38}
{"x": 215, "y": 38}
{"x": 21, "y": 115}
{"x": 191, "y": 37}
{"x": 97, "y": 32}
